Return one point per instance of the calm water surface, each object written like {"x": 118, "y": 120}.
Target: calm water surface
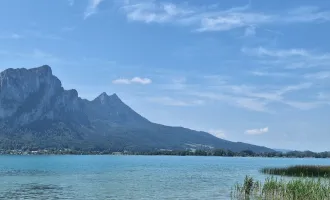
{"x": 129, "y": 177}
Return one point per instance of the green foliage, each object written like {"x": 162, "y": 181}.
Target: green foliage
{"x": 300, "y": 170}
{"x": 279, "y": 189}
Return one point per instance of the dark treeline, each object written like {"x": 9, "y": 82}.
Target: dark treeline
{"x": 217, "y": 152}
{"x": 246, "y": 153}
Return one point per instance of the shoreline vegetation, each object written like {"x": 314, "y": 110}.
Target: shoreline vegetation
{"x": 299, "y": 171}
{"x": 279, "y": 189}
{"x": 216, "y": 152}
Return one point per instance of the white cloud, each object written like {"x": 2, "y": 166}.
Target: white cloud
{"x": 136, "y": 80}
{"x": 168, "y": 101}
{"x": 143, "y": 81}
{"x": 149, "y": 11}
{"x": 217, "y": 133}
{"x": 230, "y": 20}
{"x": 257, "y": 131}
{"x": 92, "y": 8}
{"x": 210, "y": 18}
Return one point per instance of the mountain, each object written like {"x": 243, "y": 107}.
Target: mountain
{"x": 36, "y": 112}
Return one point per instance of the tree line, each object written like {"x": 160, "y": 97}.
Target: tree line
{"x": 215, "y": 152}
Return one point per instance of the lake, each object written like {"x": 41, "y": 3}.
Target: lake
{"x": 130, "y": 177}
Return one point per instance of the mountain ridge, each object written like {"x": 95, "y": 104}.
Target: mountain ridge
{"x": 37, "y": 112}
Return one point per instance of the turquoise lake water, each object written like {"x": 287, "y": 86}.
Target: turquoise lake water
{"x": 129, "y": 177}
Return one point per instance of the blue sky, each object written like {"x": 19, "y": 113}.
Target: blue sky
{"x": 252, "y": 71}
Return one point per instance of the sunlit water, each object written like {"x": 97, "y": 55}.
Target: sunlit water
{"x": 129, "y": 177}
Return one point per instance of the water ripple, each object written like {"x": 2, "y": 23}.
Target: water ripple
{"x": 36, "y": 191}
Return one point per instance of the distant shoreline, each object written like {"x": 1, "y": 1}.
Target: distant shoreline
{"x": 213, "y": 153}
{"x": 113, "y": 155}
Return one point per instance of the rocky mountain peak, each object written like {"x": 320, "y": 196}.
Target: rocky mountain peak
{"x": 28, "y": 94}
{"x": 44, "y": 70}
{"x": 104, "y": 98}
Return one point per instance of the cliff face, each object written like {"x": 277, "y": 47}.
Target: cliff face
{"x": 37, "y": 112}
{"x": 27, "y": 96}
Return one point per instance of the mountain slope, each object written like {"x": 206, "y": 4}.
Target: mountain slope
{"x": 36, "y": 112}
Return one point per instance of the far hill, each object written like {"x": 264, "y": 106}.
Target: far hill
{"x": 36, "y": 112}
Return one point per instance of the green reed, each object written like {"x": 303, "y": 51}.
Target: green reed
{"x": 278, "y": 189}
{"x": 299, "y": 171}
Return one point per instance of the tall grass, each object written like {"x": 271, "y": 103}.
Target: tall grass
{"x": 299, "y": 171}
{"x": 279, "y": 189}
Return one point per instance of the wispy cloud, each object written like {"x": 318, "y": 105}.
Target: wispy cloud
{"x": 305, "y": 105}
{"x": 230, "y": 20}
{"x": 257, "y": 131}
{"x": 92, "y": 8}
{"x": 318, "y": 75}
{"x": 255, "y": 98}
{"x": 175, "y": 84}
{"x": 289, "y": 58}
{"x": 168, "y": 101}
{"x": 30, "y": 34}
{"x": 37, "y": 55}
{"x": 261, "y": 51}
{"x": 41, "y": 35}
{"x": 252, "y": 104}
{"x": 150, "y": 11}
{"x": 250, "y": 31}
{"x": 68, "y": 29}
{"x": 211, "y": 18}
{"x": 11, "y": 36}
{"x": 308, "y": 14}
{"x": 324, "y": 96}
{"x": 271, "y": 74}
{"x": 218, "y": 133}
{"x": 136, "y": 80}
{"x": 71, "y": 2}
{"x": 296, "y": 87}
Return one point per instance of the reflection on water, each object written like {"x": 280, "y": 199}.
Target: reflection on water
{"x": 36, "y": 191}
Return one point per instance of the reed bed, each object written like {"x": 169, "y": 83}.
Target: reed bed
{"x": 299, "y": 171}
{"x": 274, "y": 188}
